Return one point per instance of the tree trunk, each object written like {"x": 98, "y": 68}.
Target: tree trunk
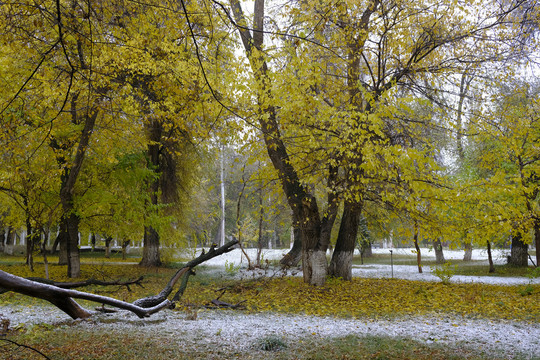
{"x": 519, "y": 253}
{"x": 63, "y": 298}
{"x": 293, "y": 257}
{"x": 537, "y": 241}
{"x": 73, "y": 254}
{"x": 10, "y": 239}
{"x": 69, "y": 222}
{"x": 439, "y": 255}
{"x": 61, "y": 240}
{"x": 490, "y": 258}
{"x": 151, "y": 255}
{"x": 260, "y": 240}
{"x": 341, "y": 263}
{"x": 125, "y": 244}
{"x": 468, "y": 252}
{"x": 417, "y": 247}
{"x": 108, "y": 241}
{"x": 2, "y": 237}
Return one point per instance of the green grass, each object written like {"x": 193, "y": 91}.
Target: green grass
{"x": 471, "y": 268}
{"x": 60, "y": 343}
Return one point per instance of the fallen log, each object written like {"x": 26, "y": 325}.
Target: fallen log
{"x": 184, "y": 273}
{"x": 78, "y": 284}
{"x": 63, "y": 297}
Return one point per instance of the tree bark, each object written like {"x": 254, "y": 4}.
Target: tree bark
{"x": 63, "y": 298}
{"x": 341, "y": 263}
{"x": 490, "y": 258}
{"x": 439, "y": 255}
{"x": 69, "y": 223}
{"x": 10, "y": 239}
{"x": 417, "y": 247}
{"x": 2, "y": 236}
{"x": 151, "y": 257}
{"x": 519, "y": 253}
{"x": 468, "y": 252}
{"x": 293, "y": 257}
{"x": 537, "y": 240}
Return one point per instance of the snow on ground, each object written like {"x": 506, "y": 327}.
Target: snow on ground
{"x": 408, "y": 272}
{"x": 236, "y": 331}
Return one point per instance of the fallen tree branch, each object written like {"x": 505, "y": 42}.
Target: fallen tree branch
{"x": 63, "y": 297}
{"x": 74, "y": 285}
{"x": 184, "y": 273}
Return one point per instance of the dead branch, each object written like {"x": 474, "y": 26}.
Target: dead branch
{"x": 63, "y": 297}
{"x": 77, "y": 284}
{"x": 223, "y": 304}
{"x": 184, "y": 273}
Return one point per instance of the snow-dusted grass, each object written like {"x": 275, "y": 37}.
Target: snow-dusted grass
{"x": 408, "y": 272}
{"x": 236, "y": 332}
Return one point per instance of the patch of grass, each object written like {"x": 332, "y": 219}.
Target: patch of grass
{"x": 469, "y": 268}
{"x": 66, "y": 343}
{"x": 378, "y": 347}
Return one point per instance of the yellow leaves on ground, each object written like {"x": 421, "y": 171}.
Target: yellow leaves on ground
{"x": 376, "y": 298}
{"x": 359, "y": 298}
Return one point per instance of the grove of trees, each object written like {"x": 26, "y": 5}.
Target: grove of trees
{"x": 419, "y": 117}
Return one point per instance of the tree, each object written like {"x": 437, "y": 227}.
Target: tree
{"x": 345, "y": 89}
{"x": 507, "y": 133}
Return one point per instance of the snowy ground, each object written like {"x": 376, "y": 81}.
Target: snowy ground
{"x": 236, "y": 258}
{"x": 235, "y": 331}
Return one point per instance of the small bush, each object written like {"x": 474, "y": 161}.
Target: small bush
{"x": 444, "y": 272}
{"x": 271, "y": 343}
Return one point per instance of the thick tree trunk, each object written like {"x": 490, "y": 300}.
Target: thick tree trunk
{"x": 108, "y": 241}
{"x": 293, "y": 257}
{"x": 314, "y": 266}
{"x": 151, "y": 256}
{"x": 341, "y": 263}
{"x": 519, "y": 254}
{"x": 74, "y": 260}
{"x": 490, "y": 258}
{"x": 61, "y": 241}
{"x": 439, "y": 255}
